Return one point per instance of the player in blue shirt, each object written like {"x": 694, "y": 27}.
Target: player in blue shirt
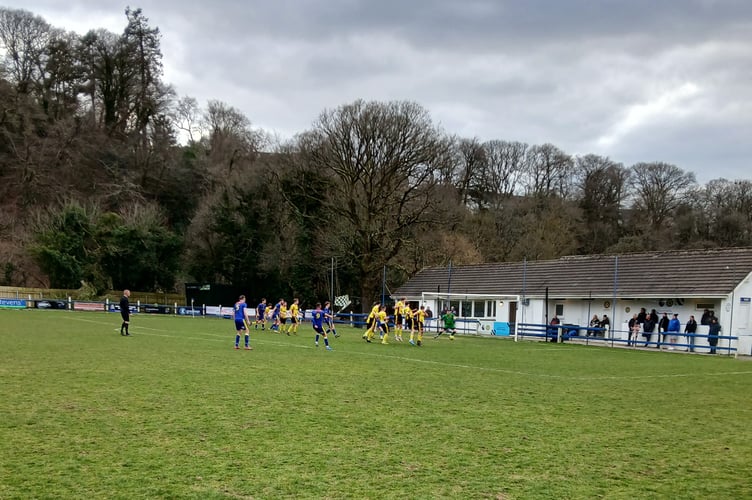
{"x": 241, "y": 317}
{"x": 317, "y": 321}
{"x": 260, "y": 318}
{"x": 275, "y": 315}
{"x": 329, "y": 319}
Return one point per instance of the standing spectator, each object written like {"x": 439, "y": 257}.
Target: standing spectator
{"x": 690, "y": 329}
{"x": 713, "y": 332}
{"x": 674, "y": 327}
{"x": 634, "y": 329}
{"x": 125, "y": 313}
{"x": 647, "y": 329}
{"x": 663, "y": 328}
{"x": 641, "y": 316}
{"x": 705, "y": 318}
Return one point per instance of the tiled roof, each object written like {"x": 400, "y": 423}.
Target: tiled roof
{"x": 690, "y": 273}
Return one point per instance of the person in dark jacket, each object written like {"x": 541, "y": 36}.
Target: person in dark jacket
{"x": 713, "y": 332}
{"x": 705, "y": 319}
{"x": 641, "y": 316}
{"x": 663, "y": 328}
{"x": 125, "y": 313}
{"x": 647, "y": 328}
{"x": 690, "y": 329}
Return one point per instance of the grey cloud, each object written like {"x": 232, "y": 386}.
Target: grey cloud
{"x": 638, "y": 80}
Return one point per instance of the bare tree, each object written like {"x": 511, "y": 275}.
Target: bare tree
{"x": 603, "y": 186}
{"x": 549, "y": 172}
{"x": 503, "y": 169}
{"x": 381, "y": 160}
{"x": 659, "y": 189}
{"x": 186, "y": 116}
{"x": 25, "y": 38}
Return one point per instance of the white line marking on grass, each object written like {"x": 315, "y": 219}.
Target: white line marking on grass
{"x": 216, "y": 338}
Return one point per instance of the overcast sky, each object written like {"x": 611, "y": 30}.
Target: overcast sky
{"x": 635, "y": 80}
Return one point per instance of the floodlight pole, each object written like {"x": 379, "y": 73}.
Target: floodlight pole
{"x": 331, "y": 295}
{"x": 383, "y": 288}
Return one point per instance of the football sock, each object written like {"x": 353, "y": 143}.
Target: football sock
{"x": 237, "y": 339}
{"x": 246, "y": 340}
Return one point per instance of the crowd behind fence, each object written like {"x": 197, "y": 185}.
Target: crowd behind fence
{"x": 692, "y": 342}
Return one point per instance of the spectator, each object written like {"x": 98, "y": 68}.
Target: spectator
{"x": 674, "y": 327}
{"x": 663, "y": 328}
{"x": 705, "y": 319}
{"x": 641, "y": 316}
{"x": 713, "y": 332}
{"x": 553, "y": 329}
{"x": 634, "y": 329}
{"x": 605, "y": 324}
{"x": 647, "y": 329}
{"x": 690, "y": 329}
{"x": 595, "y": 322}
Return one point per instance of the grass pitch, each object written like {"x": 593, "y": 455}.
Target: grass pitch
{"x": 175, "y": 412}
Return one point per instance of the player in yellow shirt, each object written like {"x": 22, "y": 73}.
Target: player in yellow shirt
{"x": 398, "y": 319}
{"x": 409, "y": 320}
{"x": 283, "y": 317}
{"x": 420, "y": 318}
{"x": 294, "y": 321}
{"x": 371, "y": 322}
{"x": 383, "y": 321}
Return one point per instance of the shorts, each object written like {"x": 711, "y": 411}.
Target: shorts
{"x": 398, "y": 320}
{"x": 126, "y": 315}
{"x": 318, "y": 329}
{"x": 369, "y": 324}
{"x": 294, "y": 321}
{"x": 283, "y": 320}
{"x": 239, "y": 324}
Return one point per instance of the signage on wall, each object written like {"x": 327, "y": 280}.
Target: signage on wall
{"x": 745, "y": 301}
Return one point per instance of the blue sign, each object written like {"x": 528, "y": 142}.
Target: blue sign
{"x": 13, "y": 303}
{"x": 501, "y": 328}
{"x": 189, "y": 311}
{"x": 745, "y": 300}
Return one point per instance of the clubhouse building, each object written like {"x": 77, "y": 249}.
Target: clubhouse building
{"x": 499, "y": 297}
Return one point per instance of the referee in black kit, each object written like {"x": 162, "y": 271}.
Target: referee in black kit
{"x": 125, "y": 312}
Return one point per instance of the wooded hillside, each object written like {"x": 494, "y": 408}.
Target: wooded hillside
{"x": 108, "y": 177}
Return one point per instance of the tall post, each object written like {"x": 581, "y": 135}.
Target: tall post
{"x": 613, "y": 301}
{"x": 331, "y": 295}
{"x": 383, "y": 288}
{"x": 546, "y": 305}
{"x": 449, "y": 285}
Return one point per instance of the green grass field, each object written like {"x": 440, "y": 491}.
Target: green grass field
{"x": 175, "y": 412}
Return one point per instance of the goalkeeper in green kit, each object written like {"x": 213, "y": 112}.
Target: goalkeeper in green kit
{"x": 448, "y": 319}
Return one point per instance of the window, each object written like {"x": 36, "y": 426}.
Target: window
{"x": 466, "y": 309}
{"x": 559, "y": 309}
{"x": 479, "y": 309}
{"x": 491, "y": 309}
